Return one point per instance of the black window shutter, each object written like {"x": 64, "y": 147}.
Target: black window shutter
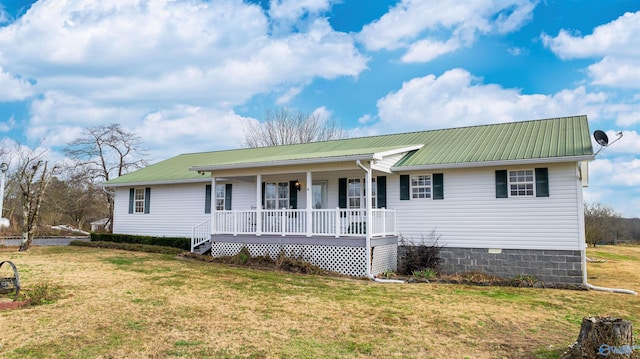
{"x": 381, "y": 182}
{"x": 132, "y": 193}
{"x": 147, "y": 199}
{"x": 438, "y": 186}
{"x": 263, "y": 194}
{"x": 404, "y": 187}
{"x": 542, "y": 182}
{"x": 502, "y": 189}
{"x": 227, "y": 196}
{"x": 342, "y": 192}
{"x": 207, "y": 198}
{"x": 293, "y": 195}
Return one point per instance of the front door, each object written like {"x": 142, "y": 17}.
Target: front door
{"x": 319, "y": 194}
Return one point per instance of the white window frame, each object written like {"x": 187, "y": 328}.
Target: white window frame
{"x": 421, "y": 186}
{"x": 524, "y": 184}
{"x": 138, "y": 200}
{"x": 219, "y": 197}
{"x": 281, "y": 198}
{"x": 360, "y": 196}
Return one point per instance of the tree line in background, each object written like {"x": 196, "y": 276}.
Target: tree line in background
{"x": 40, "y": 194}
{"x": 603, "y": 225}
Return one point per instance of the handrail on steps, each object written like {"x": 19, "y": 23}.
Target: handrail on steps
{"x": 200, "y": 233}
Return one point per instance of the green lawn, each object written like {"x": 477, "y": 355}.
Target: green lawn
{"x": 119, "y": 304}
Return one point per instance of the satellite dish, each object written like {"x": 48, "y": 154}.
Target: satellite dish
{"x": 601, "y": 138}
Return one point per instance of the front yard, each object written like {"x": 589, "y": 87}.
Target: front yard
{"x": 118, "y": 304}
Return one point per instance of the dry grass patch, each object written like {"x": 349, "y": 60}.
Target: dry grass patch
{"x": 139, "y": 305}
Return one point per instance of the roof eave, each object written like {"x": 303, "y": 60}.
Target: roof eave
{"x": 305, "y": 161}
{"x": 494, "y": 163}
{"x": 204, "y": 179}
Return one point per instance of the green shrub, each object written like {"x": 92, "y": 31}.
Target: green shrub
{"x": 426, "y": 273}
{"x": 176, "y": 242}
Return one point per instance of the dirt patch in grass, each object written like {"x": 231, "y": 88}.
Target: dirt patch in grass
{"x": 141, "y": 305}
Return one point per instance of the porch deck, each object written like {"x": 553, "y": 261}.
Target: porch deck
{"x": 345, "y": 255}
{"x": 334, "y": 240}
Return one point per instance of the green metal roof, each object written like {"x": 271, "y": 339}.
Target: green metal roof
{"x": 527, "y": 140}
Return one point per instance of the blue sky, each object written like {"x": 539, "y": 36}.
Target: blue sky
{"x": 188, "y": 76}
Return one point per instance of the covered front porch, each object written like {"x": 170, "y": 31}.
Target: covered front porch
{"x": 331, "y": 213}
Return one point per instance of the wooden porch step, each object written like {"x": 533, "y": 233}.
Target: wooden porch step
{"x": 203, "y": 248}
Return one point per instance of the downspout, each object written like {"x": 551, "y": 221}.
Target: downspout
{"x": 368, "y": 231}
{"x": 583, "y": 250}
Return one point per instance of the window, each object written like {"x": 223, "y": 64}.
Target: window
{"x": 357, "y": 194}
{"x": 276, "y": 195}
{"x": 421, "y": 186}
{"x": 429, "y": 186}
{"x": 220, "y": 197}
{"x": 354, "y": 193}
{"x": 139, "y": 199}
{"x": 521, "y": 183}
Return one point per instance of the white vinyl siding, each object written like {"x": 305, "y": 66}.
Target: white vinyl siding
{"x": 472, "y": 217}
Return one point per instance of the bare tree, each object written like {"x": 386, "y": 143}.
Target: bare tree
{"x": 601, "y": 223}
{"x": 106, "y": 152}
{"x": 74, "y": 200}
{"x": 285, "y": 127}
{"x": 32, "y": 176}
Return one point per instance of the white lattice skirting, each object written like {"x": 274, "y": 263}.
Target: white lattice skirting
{"x": 340, "y": 259}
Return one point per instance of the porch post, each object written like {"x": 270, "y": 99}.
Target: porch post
{"x": 213, "y": 204}
{"x": 259, "y": 205}
{"x": 309, "y": 199}
{"x": 369, "y": 224}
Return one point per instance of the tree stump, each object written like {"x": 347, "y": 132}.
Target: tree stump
{"x": 603, "y": 337}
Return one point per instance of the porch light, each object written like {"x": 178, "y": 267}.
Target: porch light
{"x": 297, "y": 185}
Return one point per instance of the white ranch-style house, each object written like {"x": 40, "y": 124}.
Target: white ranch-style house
{"x": 505, "y": 199}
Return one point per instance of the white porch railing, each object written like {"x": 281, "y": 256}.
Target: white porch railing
{"x": 200, "y": 233}
{"x": 336, "y": 222}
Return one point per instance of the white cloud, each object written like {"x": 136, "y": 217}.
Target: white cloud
{"x": 13, "y": 88}
{"x": 517, "y": 51}
{"x": 615, "y": 42}
{"x": 294, "y": 9}
{"x": 7, "y": 125}
{"x": 616, "y": 72}
{"x": 427, "y": 50}
{"x": 364, "y": 119}
{"x": 323, "y": 113}
{"x": 614, "y": 38}
{"x": 4, "y": 16}
{"x": 411, "y": 22}
{"x": 180, "y": 66}
{"x": 615, "y": 182}
{"x": 205, "y": 129}
{"x": 456, "y": 98}
{"x": 288, "y": 95}
{"x": 58, "y": 118}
